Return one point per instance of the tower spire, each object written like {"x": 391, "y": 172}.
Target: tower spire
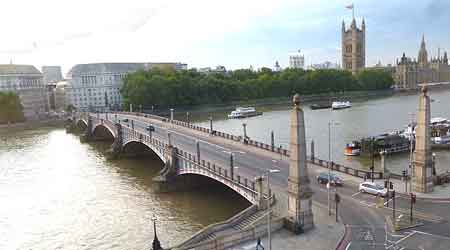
{"x": 156, "y": 245}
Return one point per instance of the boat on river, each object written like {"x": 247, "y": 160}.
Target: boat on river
{"x": 243, "y": 112}
{"x": 320, "y": 106}
{"x": 353, "y": 148}
{"x": 341, "y": 105}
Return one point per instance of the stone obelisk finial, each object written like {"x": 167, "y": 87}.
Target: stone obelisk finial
{"x": 422, "y": 181}
{"x": 300, "y": 216}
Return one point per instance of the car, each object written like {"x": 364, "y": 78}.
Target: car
{"x": 322, "y": 178}
{"x": 372, "y": 188}
{"x": 125, "y": 120}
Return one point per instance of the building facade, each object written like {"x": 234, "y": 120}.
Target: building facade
{"x": 410, "y": 72}
{"x": 354, "y": 47}
{"x": 27, "y": 82}
{"x": 297, "y": 61}
{"x": 96, "y": 86}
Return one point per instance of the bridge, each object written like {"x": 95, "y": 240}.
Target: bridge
{"x": 189, "y": 151}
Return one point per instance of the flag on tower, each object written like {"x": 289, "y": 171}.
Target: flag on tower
{"x": 350, "y": 7}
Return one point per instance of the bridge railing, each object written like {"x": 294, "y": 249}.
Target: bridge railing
{"x": 284, "y": 152}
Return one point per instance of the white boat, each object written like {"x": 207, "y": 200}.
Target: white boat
{"x": 445, "y": 139}
{"x": 242, "y": 112}
{"x": 341, "y": 105}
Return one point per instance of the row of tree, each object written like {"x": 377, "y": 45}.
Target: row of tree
{"x": 11, "y": 109}
{"x": 164, "y": 87}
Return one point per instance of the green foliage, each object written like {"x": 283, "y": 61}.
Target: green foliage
{"x": 11, "y": 109}
{"x": 166, "y": 87}
{"x": 375, "y": 79}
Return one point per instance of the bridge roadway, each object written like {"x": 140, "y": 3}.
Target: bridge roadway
{"x": 252, "y": 162}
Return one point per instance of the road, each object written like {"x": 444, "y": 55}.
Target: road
{"x": 366, "y": 225}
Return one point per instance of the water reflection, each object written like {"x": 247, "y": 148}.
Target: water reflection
{"x": 62, "y": 194}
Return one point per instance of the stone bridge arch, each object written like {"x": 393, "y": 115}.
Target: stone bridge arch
{"x": 104, "y": 131}
{"x": 244, "y": 190}
{"x": 160, "y": 152}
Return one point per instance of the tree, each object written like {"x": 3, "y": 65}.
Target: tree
{"x": 167, "y": 87}
{"x": 11, "y": 110}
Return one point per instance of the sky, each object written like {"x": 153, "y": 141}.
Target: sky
{"x": 202, "y": 33}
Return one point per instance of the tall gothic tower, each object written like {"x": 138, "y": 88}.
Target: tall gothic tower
{"x": 423, "y": 54}
{"x": 354, "y": 47}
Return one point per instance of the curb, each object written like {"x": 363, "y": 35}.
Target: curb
{"x": 343, "y": 243}
{"x": 430, "y": 199}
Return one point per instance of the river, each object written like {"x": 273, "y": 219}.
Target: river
{"x": 58, "y": 193}
{"x": 365, "y": 118}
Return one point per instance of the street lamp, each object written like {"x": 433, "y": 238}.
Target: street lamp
{"x": 269, "y": 196}
{"x": 244, "y": 125}
{"x": 156, "y": 245}
{"x": 330, "y": 123}
{"x": 411, "y": 141}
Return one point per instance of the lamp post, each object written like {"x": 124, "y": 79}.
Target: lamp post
{"x": 211, "y": 124}
{"x": 330, "y": 123}
{"x": 171, "y": 115}
{"x": 244, "y": 125}
{"x": 269, "y": 197}
{"x": 187, "y": 117}
{"x": 156, "y": 245}
{"x": 411, "y": 141}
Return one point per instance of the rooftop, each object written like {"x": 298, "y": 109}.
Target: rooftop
{"x": 15, "y": 69}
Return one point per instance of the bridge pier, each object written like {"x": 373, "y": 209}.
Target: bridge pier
{"x": 117, "y": 146}
{"x": 165, "y": 181}
{"x": 88, "y": 135}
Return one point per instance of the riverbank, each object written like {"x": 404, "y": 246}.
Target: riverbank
{"x": 5, "y": 128}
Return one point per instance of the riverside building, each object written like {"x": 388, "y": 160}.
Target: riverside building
{"x": 96, "y": 86}
{"x": 410, "y": 72}
{"x": 27, "y": 82}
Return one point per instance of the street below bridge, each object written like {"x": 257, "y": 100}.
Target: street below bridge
{"x": 367, "y": 226}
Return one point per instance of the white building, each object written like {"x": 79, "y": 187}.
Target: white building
{"x": 324, "y": 65}
{"x": 297, "y": 61}
{"x": 27, "y": 82}
{"x": 96, "y": 86}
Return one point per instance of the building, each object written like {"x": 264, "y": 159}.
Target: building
{"x": 51, "y": 74}
{"x": 324, "y": 65}
{"x": 354, "y": 47}
{"x": 217, "y": 69}
{"x": 410, "y": 72}
{"x": 96, "y": 86}
{"x": 60, "y": 96}
{"x": 297, "y": 61}
{"x": 27, "y": 82}
{"x": 277, "y": 67}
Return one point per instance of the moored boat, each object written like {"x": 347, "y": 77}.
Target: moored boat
{"x": 341, "y": 105}
{"x": 352, "y": 149}
{"x": 243, "y": 112}
{"x": 320, "y": 106}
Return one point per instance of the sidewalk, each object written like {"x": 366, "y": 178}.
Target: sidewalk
{"x": 326, "y": 235}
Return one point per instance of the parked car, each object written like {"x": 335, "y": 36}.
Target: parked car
{"x": 372, "y": 188}
{"x": 125, "y": 120}
{"x": 322, "y": 178}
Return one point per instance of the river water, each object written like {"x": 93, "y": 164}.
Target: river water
{"x": 58, "y": 193}
{"x": 365, "y": 118}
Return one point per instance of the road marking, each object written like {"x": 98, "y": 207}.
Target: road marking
{"x": 348, "y": 245}
{"x": 406, "y": 237}
{"x": 387, "y": 201}
{"x": 353, "y": 195}
{"x": 434, "y": 235}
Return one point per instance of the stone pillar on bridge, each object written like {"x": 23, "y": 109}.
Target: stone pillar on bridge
{"x": 262, "y": 203}
{"x": 117, "y": 146}
{"x": 87, "y": 136}
{"x": 165, "y": 182}
{"x": 422, "y": 181}
{"x": 300, "y": 216}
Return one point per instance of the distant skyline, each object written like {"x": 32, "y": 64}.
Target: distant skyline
{"x": 205, "y": 33}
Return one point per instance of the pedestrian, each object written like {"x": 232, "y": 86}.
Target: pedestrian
{"x": 259, "y": 246}
{"x": 365, "y": 177}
